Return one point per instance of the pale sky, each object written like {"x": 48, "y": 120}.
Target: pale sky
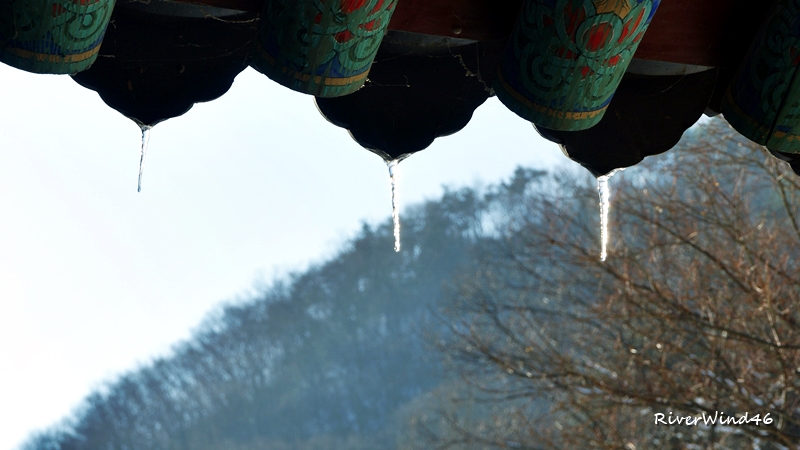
{"x": 96, "y": 279}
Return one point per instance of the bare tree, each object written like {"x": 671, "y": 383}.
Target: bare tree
{"x": 696, "y": 311}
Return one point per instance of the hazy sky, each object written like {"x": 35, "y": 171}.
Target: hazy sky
{"x": 96, "y": 279}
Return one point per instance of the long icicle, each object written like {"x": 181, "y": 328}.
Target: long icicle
{"x": 145, "y": 140}
{"x": 395, "y": 208}
{"x": 605, "y": 197}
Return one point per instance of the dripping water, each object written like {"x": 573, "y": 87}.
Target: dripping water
{"x": 605, "y": 196}
{"x": 395, "y": 209}
{"x": 145, "y": 140}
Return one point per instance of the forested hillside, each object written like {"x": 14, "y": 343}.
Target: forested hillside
{"x": 497, "y": 326}
{"x": 323, "y": 359}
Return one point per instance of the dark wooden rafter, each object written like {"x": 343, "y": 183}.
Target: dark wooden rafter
{"x": 251, "y": 6}
{"x": 480, "y": 20}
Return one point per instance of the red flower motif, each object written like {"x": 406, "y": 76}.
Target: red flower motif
{"x": 371, "y": 25}
{"x": 598, "y": 37}
{"x": 349, "y": 6}
{"x": 574, "y": 18}
{"x": 343, "y": 36}
{"x": 377, "y": 7}
{"x": 627, "y": 29}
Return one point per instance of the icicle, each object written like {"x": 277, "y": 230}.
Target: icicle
{"x": 145, "y": 140}
{"x": 605, "y": 195}
{"x": 395, "y": 209}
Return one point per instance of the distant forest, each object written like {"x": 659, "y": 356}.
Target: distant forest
{"x": 497, "y": 326}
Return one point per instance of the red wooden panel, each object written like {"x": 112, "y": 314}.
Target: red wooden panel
{"x": 703, "y": 32}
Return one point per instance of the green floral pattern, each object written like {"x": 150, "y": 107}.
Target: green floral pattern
{"x": 565, "y": 58}
{"x": 763, "y": 102}
{"x": 321, "y": 47}
{"x": 52, "y": 36}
